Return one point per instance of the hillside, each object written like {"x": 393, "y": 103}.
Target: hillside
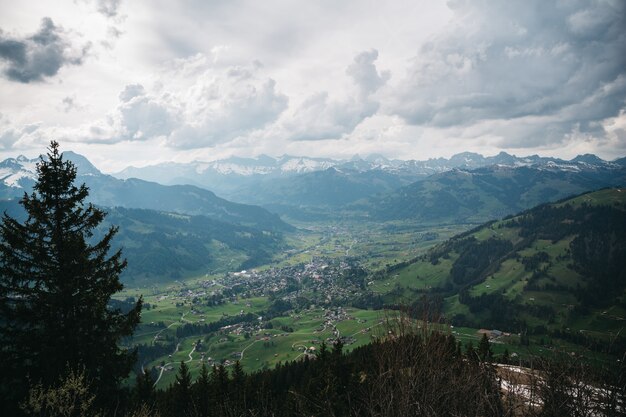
{"x": 164, "y": 246}
{"x": 475, "y": 196}
{"x": 556, "y": 270}
{"x": 330, "y": 188}
{"x": 18, "y": 177}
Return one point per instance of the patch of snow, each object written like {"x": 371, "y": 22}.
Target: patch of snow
{"x": 304, "y": 165}
{"x": 12, "y": 179}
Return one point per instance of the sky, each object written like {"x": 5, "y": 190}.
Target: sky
{"x": 147, "y": 81}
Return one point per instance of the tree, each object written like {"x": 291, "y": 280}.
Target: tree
{"x": 219, "y": 388}
{"x": 71, "y": 397}
{"x": 484, "y": 349}
{"x": 238, "y": 389}
{"x": 182, "y": 391}
{"x": 56, "y": 280}
{"x": 144, "y": 393}
{"x": 200, "y": 391}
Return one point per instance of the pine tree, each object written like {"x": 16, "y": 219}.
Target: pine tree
{"x": 470, "y": 353}
{"x": 238, "y": 389}
{"x": 143, "y": 392}
{"x": 182, "y": 391}
{"x": 505, "y": 356}
{"x": 484, "y": 349}
{"x": 219, "y": 388}
{"x": 55, "y": 286}
{"x": 201, "y": 392}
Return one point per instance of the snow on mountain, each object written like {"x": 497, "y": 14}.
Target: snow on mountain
{"x": 225, "y": 176}
{"x": 21, "y": 172}
{"x": 301, "y": 165}
{"x": 15, "y": 172}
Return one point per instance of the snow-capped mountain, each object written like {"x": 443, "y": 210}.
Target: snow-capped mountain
{"x": 225, "y": 175}
{"x": 17, "y": 176}
{"x": 286, "y": 182}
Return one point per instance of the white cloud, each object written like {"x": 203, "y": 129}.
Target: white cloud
{"x": 530, "y": 72}
{"x": 192, "y": 104}
{"x": 143, "y": 117}
{"x": 185, "y": 78}
{"x": 224, "y": 103}
{"x": 322, "y": 117}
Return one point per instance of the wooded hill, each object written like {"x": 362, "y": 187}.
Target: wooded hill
{"x": 166, "y": 246}
{"x": 462, "y": 196}
{"x": 558, "y": 269}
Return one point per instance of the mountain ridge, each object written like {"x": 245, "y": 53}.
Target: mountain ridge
{"x": 545, "y": 270}
{"x": 18, "y": 176}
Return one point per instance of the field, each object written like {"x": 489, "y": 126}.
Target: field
{"x": 309, "y": 294}
{"x": 298, "y": 333}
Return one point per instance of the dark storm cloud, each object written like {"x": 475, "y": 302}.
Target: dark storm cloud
{"x": 40, "y": 55}
{"x": 515, "y": 60}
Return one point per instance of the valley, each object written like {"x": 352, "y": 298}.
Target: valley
{"x": 312, "y": 293}
{"x": 355, "y": 243}
{"x": 345, "y": 281}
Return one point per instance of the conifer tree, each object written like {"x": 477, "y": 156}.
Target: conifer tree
{"x": 470, "y": 353}
{"x": 200, "y": 391}
{"x": 238, "y": 388}
{"x": 182, "y": 391}
{"x": 144, "y": 393}
{"x": 55, "y": 286}
{"x": 484, "y": 349}
{"x": 219, "y": 385}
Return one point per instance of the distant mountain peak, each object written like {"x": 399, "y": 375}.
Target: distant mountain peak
{"x": 469, "y": 159}
{"x": 588, "y": 158}
{"x": 82, "y": 164}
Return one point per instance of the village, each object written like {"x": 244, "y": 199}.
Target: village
{"x": 257, "y": 317}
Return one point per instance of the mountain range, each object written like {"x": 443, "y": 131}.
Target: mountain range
{"x": 299, "y": 186}
{"x": 474, "y": 196}
{"x": 235, "y": 171}
{"x": 17, "y": 175}
{"x": 467, "y": 188}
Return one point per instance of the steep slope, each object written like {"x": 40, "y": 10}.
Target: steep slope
{"x": 556, "y": 270}
{"x": 165, "y": 246}
{"x": 486, "y": 193}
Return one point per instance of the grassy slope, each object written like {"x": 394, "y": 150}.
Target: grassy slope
{"x": 511, "y": 278}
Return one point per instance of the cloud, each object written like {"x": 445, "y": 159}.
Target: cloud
{"x": 108, "y": 8}
{"x": 321, "y": 117}
{"x": 364, "y": 73}
{"x": 70, "y": 103}
{"x": 224, "y": 103}
{"x": 41, "y": 55}
{"x": 12, "y": 137}
{"x": 559, "y": 66}
{"x": 131, "y": 91}
{"x": 193, "y": 104}
{"x": 142, "y": 116}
